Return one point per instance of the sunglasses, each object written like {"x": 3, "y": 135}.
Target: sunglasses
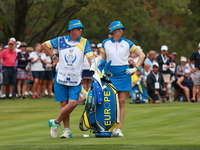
{"x": 79, "y": 28}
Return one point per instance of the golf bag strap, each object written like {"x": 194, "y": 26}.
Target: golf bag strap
{"x": 81, "y": 123}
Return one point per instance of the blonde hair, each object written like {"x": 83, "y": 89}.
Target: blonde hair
{"x": 29, "y": 49}
{"x": 110, "y": 35}
{"x": 38, "y": 44}
{"x": 150, "y": 53}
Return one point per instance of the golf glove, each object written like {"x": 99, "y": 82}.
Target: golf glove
{"x": 131, "y": 70}
{"x": 102, "y": 65}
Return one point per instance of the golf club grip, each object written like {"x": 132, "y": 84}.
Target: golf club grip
{"x": 105, "y": 80}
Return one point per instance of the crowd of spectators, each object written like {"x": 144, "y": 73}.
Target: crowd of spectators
{"x": 165, "y": 79}
{"x": 30, "y": 71}
{"x": 25, "y": 71}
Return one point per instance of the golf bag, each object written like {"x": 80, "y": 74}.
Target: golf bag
{"x": 101, "y": 113}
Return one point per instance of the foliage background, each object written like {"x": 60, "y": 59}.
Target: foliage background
{"x": 148, "y": 23}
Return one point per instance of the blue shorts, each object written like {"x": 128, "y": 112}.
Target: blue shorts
{"x": 38, "y": 74}
{"x": 64, "y": 93}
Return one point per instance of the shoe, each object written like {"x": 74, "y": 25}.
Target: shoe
{"x": 163, "y": 101}
{"x": 19, "y": 97}
{"x": 23, "y": 97}
{"x": 42, "y": 96}
{"x": 66, "y": 134}
{"x": 11, "y": 96}
{"x": 38, "y": 96}
{"x": 26, "y": 93}
{"x": 33, "y": 97}
{"x": 50, "y": 96}
{"x": 193, "y": 100}
{"x": 3, "y": 96}
{"x": 118, "y": 133}
{"x": 114, "y": 130}
{"x": 46, "y": 92}
{"x": 30, "y": 93}
{"x": 54, "y": 127}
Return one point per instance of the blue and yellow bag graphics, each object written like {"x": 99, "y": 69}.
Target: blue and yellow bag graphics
{"x": 101, "y": 112}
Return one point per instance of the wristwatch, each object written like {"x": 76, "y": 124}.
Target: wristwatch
{"x": 54, "y": 57}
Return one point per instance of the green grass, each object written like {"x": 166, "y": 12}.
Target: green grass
{"x": 174, "y": 125}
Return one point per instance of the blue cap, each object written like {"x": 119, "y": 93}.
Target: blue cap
{"x": 116, "y": 25}
{"x": 75, "y": 24}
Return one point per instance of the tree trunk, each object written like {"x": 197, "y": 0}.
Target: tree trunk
{"x": 21, "y": 10}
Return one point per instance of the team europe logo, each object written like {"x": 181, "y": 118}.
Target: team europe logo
{"x": 70, "y": 58}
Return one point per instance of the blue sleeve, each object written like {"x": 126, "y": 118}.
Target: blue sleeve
{"x": 87, "y": 47}
{"x": 54, "y": 43}
{"x": 129, "y": 43}
{"x": 103, "y": 43}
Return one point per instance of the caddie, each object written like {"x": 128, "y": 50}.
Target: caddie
{"x": 67, "y": 85}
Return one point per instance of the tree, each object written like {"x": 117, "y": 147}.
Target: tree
{"x": 33, "y": 20}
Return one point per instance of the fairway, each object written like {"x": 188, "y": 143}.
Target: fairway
{"x": 174, "y": 125}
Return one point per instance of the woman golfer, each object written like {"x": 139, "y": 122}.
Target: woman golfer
{"x": 117, "y": 49}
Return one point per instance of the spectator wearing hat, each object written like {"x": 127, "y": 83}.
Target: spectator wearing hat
{"x": 181, "y": 68}
{"x": 156, "y": 85}
{"x": 9, "y": 75}
{"x": 151, "y": 56}
{"x": 99, "y": 45}
{"x": 196, "y": 69}
{"x": 67, "y": 86}
{"x": 165, "y": 62}
{"x": 38, "y": 60}
{"x": 117, "y": 49}
{"x": 22, "y": 74}
{"x": 16, "y": 44}
{"x": 186, "y": 84}
{"x": 93, "y": 48}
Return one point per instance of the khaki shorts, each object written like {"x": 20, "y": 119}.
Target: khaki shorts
{"x": 197, "y": 77}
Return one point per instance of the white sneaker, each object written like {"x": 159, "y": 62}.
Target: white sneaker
{"x": 54, "y": 127}
{"x": 66, "y": 133}
{"x": 52, "y": 94}
{"x": 118, "y": 133}
{"x": 46, "y": 92}
{"x": 30, "y": 93}
{"x": 3, "y": 96}
{"x": 114, "y": 130}
{"x": 26, "y": 93}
